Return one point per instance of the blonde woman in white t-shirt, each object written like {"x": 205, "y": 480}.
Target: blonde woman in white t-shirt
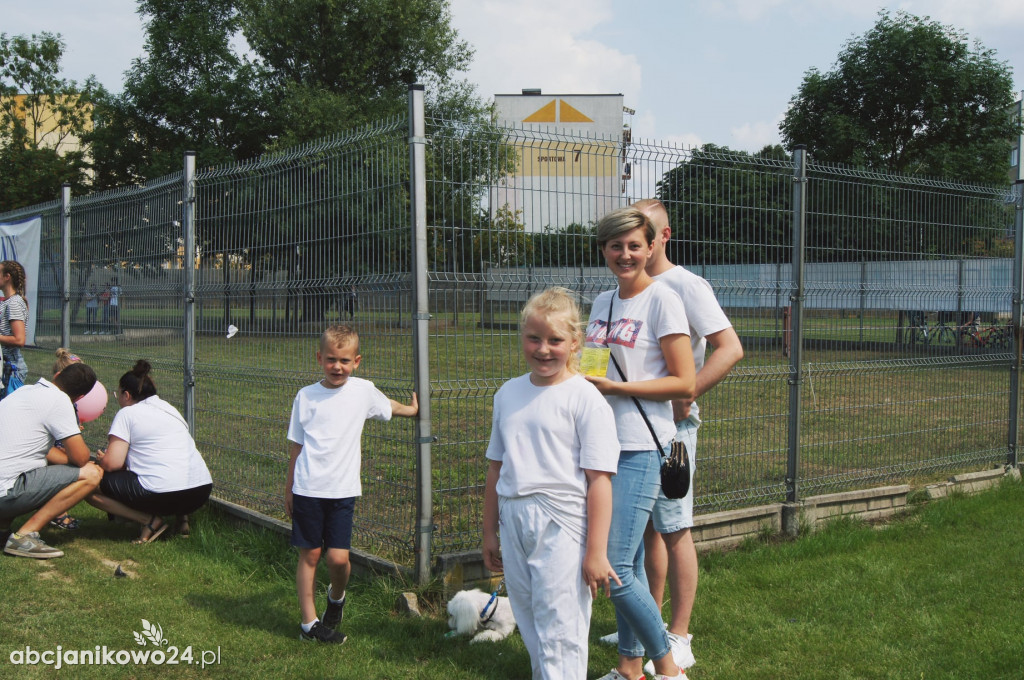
{"x": 644, "y": 325}
{"x": 153, "y": 468}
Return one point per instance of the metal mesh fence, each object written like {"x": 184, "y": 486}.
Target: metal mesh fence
{"x": 284, "y": 247}
{"x": 886, "y": 342}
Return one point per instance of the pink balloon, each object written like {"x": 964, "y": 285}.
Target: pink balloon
{"x": 91, "y": 406}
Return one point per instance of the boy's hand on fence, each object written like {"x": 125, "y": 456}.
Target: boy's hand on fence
{"x": 405, "y": 410}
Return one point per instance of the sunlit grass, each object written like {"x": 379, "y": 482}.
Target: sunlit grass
{"x": 933, "y": 595}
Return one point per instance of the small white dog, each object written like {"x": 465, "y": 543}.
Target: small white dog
{"x": 464, "y": 616}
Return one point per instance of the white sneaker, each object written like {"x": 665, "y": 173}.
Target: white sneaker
{"x": 681, "y": 653}
{"x": 613, "y": 674}
{"x": 613, "y": 638}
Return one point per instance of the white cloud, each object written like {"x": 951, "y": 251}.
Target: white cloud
{"x": 687, "y": 140}
{"x": 539, "y": 43}
{"x": 753, "y": 136}
{"x": 744, "y": 10}
{"x": 970, "y": 15}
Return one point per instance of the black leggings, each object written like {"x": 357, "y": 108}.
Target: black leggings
{"x": 123, "y": 486}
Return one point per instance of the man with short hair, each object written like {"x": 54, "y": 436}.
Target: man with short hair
{"x": 35, "y": 477}
{"x": 668, "y": 542}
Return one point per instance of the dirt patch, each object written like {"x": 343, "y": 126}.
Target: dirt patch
{"x": 124, "y": 568}
{"x": 49, "y": 572}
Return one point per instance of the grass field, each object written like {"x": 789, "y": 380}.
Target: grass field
{"x": 933, "y": 595}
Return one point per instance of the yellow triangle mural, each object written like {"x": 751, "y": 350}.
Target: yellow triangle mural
{"x": 569, "y": 114}
{"x": 545, "y": 114}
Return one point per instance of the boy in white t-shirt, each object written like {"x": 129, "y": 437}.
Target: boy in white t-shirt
{"x": 670, "y": 552}
{"x": 323, "y": 473}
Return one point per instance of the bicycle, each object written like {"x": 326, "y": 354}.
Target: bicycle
{"x": 917, "y": 328}
{"x": 992, "y": 337}
{"x": 940, "y": 334}
{"x": 943, "y": 334}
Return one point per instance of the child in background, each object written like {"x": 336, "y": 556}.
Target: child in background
{"x": 323, "y": 473}
{"x": 92, "y": 305}
{"x": 13, "y": 315}
{"x": 552, "y": 453}
{"x": 58, "y": 457}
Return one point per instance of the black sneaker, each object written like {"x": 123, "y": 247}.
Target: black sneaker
{"x": 335, "y": 612}
{"x": 321, "y": 633}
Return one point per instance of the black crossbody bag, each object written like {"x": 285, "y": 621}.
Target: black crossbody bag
{"x": 675, "y": 467}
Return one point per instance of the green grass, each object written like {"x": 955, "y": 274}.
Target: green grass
{"x": 933, "y": 595}
{"x": 869, "y": 417}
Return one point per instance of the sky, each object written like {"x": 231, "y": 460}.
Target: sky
{"x": 695, "y": 71}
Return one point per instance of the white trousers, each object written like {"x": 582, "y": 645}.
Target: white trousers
{"x": 544, "y": 578}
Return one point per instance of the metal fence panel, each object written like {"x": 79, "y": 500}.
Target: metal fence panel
{"x": 286, "y": 246}
{"x": 888, "y": 388}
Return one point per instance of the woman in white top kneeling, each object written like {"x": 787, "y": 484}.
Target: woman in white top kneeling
{"x": 152, "y": 466}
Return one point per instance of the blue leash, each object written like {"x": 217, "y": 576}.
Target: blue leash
{"x": 484, "y": 616}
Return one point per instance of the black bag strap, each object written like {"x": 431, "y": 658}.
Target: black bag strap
{"x": 643, "y": 414}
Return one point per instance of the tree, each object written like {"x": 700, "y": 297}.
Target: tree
{"x": 504, "y": 243}
{"x": 910, "y": 96}
{"x": 43, "y": 118}
{"x": 332, "y": 66}
{"x": 729, "y": 207}
{"x": 573, "y": 246}
{"x": 191, "y": 91}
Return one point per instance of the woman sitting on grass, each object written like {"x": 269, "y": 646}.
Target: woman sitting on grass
{"x": 152, "y": 465}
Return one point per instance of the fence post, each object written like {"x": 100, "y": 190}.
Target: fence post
{"x": 796, "y": 300}
{"x": 188, "y": 264}
{"x": 421, "y": 330}
{"x": 1018, "y": 294}
{"x": 65, "y": 256}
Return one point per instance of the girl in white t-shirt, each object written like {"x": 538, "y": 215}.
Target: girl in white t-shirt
{"x": 644, "y": 325}
{"x": 552, "y": 454}
{"x": 152, "y": 465}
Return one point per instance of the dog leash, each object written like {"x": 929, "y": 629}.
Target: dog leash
{"x": 485, "y": 618}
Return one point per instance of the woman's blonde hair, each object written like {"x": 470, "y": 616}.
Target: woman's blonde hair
{"x": 552, "y": 303}
{"x": 622, "y": 221}
{"x": 64, "y": 359}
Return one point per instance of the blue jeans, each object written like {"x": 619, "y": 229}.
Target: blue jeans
{"x": 634, "y": 489}
{"x": 13, "y": 354}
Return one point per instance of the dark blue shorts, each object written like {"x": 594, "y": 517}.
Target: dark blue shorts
{"x": 322, "y": 522}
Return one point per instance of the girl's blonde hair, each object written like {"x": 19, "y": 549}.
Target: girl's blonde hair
{"x": 64, "y": 359}
{"x": 557, "y": 302}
